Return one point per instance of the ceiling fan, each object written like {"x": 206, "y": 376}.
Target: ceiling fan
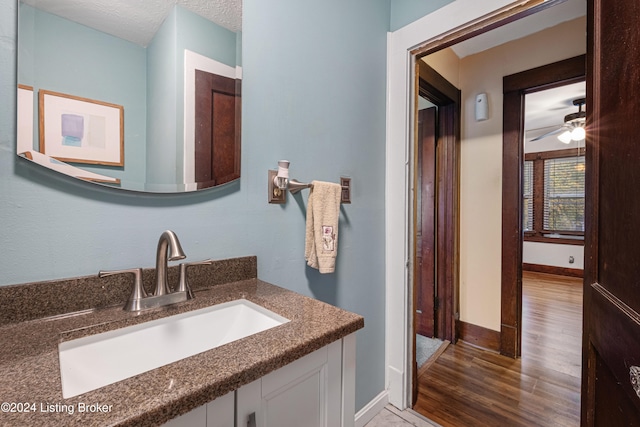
{"x": 573, "y": 128}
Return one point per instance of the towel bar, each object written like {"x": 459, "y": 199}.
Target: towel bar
{"x": 296, "y": 186}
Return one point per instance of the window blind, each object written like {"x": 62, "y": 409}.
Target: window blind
{"x": 527, "y": 206}
{"x": 564, "y": 194}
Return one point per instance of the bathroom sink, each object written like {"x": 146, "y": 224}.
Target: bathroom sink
{"x": 95, "y": 361}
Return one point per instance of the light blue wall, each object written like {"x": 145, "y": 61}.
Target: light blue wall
{"x": 313, "y": 92}
{"x": 162, "y": 83}
{"x": 204, "y": 37}
{"x": 404, "y": 12}
{"x": 181, "y": 30}
{"x": 239, "y": 48}
{"x": 62, "y": 56}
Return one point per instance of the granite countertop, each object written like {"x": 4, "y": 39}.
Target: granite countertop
{"x": 30, "y": 374}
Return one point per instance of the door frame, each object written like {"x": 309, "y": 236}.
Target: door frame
{"x": 515, "y": 87}
{"x": 448, "y": 99}
{"x": 424, "y": 221}
{"x": 455, "y": 22}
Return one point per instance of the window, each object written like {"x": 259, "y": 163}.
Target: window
{"x": 564, "y": 194}
{"x": 553, "y": 196}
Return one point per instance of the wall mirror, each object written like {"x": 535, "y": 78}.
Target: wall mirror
{"x": 142, "y": 96}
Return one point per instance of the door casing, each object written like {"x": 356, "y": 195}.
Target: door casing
{"x": 515, "y": 87}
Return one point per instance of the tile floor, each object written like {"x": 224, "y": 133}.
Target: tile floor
{"x": 390, "y": 416}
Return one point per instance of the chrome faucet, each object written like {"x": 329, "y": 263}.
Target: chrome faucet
{"x": 169, "y": 249}
{"x": 168, "y": 240}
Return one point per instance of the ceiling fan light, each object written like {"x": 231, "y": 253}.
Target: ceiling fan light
{"x": 565, "y": 137}
{"x": 578, "y": 134}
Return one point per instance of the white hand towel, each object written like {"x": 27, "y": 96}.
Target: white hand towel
{"x": 323, "y": 210}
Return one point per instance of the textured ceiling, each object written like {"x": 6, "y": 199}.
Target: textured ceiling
{"x": 138, "y": 20}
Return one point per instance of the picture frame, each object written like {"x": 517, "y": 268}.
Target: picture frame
{"x": 25, "y": 110}
{"x": 80, "y": 130}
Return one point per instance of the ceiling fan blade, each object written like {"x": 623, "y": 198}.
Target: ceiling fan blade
{"x": 553, "y": 132}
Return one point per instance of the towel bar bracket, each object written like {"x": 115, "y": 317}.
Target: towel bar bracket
{"x": 295, "y": 186}
{"x": 345, "y": 182}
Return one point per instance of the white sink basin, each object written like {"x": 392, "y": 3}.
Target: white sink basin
{"x": 95, "y": 361}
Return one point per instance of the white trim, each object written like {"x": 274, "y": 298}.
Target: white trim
{"x": 194, "y": 61}
{"x": 335, "y": 384}
{"x": 397, "y": 189}
{"x": 371, "y": 409}
{"x": 348, "y": 357}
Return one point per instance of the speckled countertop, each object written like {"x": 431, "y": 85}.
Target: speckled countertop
{"x": 30, "y": 375}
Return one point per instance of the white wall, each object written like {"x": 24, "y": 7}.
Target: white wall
{"x": 553, "y": 254}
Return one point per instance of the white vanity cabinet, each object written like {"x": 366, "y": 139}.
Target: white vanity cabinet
{"x": 317, "y": 390}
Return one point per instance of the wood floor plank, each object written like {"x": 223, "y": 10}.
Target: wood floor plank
{"x": 468, "y": 386}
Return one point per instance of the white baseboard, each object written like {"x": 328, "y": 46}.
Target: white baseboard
{"x": 372, "y": 409}
{"x": 396, "y": 387}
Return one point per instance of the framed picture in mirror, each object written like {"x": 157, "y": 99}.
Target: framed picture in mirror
{"x": 80, "y": 130}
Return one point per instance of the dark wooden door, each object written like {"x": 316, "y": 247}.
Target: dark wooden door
{"x": 217, "y": 130}
{"x": 611, "y": 373}
{"x": 426, "y": 224}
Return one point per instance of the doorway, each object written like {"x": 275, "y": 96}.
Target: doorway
{"x": 515, "y": 89}
{"x": 483, "y": 292}
{"x": 551, "y": 75}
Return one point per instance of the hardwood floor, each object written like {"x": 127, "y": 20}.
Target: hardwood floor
{"x": 468, "y": 386}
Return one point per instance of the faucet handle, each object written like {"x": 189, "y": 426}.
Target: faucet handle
{"x": 183, "y": 285}
{"x": 133, "y": 304}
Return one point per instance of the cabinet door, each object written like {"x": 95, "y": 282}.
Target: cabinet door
{"x": 217, "y": 413}
{"x": 248, "y": 404}
{"x": 296, "y": 394}
{"x": 305, "y": 393}
{"x": 194, "y": 418}
{"x": 220, "y": 411}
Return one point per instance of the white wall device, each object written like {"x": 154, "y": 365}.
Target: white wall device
{"x": 482, "y": 107}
